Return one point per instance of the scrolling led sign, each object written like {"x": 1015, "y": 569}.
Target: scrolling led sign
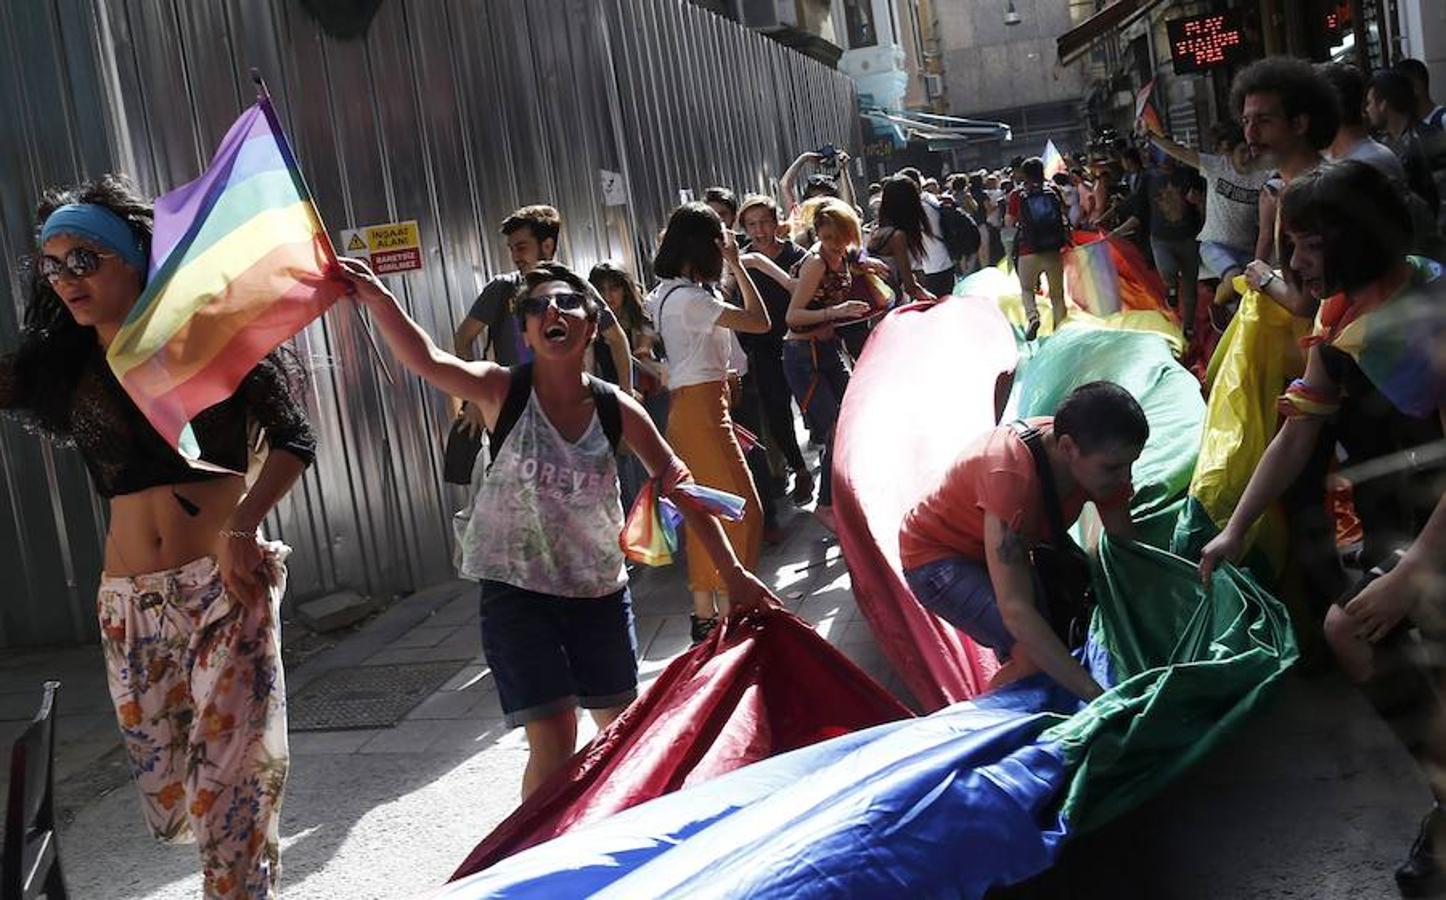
{"x": 1205, "y": 42}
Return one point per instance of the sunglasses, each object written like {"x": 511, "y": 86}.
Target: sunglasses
{"x": 80, "y": 262}
{"x": 536, "y": 306}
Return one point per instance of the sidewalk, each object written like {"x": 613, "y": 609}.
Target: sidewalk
{"x": 1311, "y": 798}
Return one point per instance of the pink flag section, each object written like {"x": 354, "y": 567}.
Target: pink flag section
{"x": 914, "y": 403}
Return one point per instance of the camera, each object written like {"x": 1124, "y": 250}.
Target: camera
{"x": 828, "y": 164}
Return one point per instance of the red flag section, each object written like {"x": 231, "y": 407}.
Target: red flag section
{"x": 931, "y": 379}
{"x": 754, "y": 689}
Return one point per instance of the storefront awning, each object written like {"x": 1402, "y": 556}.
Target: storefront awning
{"x": 1077, "y": 41}
{"x": 932, "y": 127}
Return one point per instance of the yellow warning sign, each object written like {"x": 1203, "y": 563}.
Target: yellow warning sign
{"x": 390, "y": 248}
{"x": 393, "y": 236}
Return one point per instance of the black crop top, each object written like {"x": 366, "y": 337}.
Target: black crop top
{"x": 125, "y": 454}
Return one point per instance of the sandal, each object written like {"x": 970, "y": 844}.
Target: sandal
{"x": 701, "y": 627}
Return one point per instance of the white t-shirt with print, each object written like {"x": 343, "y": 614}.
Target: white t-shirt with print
{"x": 1232, "y": 205}
{"x": 699, "y": 350}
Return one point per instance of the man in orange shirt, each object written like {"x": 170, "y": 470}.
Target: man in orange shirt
{"x": 966, "y": 546}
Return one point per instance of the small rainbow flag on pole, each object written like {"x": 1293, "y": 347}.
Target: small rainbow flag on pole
{"x": 1053, "y": 160}
{"x": 238, "y": 266}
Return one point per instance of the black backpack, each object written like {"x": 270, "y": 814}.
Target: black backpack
{"x": 961, "y": 233}
{"x": 1062, "y": 567}
{"x": 519, "y": 390}
{"x": 1041, "y": 220}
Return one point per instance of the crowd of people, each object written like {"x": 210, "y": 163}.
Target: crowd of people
{"x": 572, "y": 391}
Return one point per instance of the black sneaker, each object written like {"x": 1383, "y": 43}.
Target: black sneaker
{"x": 1421, "y": 874}
{"x": 1032, "y": 331}
{"x": 701, "y": 628}
{"x": 802, "y": 487}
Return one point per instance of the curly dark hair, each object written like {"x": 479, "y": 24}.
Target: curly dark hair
{"x": 1302, "y": 91}
{"x": 54, "y": 349}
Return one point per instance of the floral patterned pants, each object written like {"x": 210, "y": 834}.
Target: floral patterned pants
{"x": 196, "y": 679}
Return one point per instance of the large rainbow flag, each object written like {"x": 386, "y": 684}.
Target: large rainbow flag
{"x": 238, "y": 264}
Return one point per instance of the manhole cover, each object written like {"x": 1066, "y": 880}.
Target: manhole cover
{"x": 366, "y": 696}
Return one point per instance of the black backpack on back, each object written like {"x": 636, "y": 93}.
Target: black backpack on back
{"x": 961, "y": 233}
{"x": 519, "y": 390}
{"x": 1041, "y": 220}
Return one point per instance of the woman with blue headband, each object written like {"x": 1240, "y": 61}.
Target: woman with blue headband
{"x": 190, "y": 595}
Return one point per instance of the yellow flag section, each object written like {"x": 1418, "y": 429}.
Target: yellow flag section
{"x": 1003, "y": 287}
{"x": 1257, "y": 357}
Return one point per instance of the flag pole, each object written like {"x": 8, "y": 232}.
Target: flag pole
{"x": 263, "y": 98}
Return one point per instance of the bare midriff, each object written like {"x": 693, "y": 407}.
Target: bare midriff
{"x": 150, "y": 531}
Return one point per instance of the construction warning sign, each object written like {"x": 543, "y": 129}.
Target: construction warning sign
{"x": 390, "y": 248}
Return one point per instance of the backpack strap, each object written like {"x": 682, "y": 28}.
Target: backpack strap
{"x": 519, "y": 390}
{"x": 609, "y": 409}
{"x": 1034, "y": 439}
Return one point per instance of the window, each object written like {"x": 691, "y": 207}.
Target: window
{"x": 859, "y": 20}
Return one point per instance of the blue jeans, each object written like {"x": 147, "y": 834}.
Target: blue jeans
{"x": 958, "y": 590}
{"x": 816, "y": 375}
{"x": 550, "y": 654}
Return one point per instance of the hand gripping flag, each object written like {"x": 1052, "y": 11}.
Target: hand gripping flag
{"x": 650, "y": 534}
{"x": 238, "y": 264}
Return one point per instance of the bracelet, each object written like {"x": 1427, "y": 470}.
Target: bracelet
{"x": 229, "y": 533}
{"x": 1268, "y": 279}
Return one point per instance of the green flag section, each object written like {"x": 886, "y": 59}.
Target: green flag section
{"x": 1187, "y": 664}
{"x": 1141, "y": 363}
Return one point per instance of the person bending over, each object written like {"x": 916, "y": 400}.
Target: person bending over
{"x": 966, "y": 546}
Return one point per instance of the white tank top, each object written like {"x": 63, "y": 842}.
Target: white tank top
{"x": 548, "y": 517}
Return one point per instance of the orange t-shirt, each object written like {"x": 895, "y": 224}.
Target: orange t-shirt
{"x": 997, "y": 475}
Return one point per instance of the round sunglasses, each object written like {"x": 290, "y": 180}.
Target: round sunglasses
{"x": 79, "y": 262}
{"x": 536, "y": 306}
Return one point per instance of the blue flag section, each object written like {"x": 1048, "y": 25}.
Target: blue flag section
{"x": 982, "y": 793}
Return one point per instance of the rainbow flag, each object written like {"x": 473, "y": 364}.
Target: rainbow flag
{"x": 650, "y": 534}
{"x": 1053, "y": 160}
{"x": 238, "y": 265}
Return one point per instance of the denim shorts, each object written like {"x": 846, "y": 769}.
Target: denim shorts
{"x": 959, "y": 591}
{"x": 1222, "y": 258}
{"x": 550, "y": 654}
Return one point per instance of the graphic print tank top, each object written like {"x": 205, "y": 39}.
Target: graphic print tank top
{"x": 548, "y": 516}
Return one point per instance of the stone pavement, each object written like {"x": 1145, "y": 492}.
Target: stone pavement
{"x": 1310, "y": 799}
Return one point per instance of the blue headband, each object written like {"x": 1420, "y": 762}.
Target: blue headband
{"x": 96, "y": 223}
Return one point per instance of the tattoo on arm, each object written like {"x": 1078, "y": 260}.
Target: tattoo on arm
{"x": 1011, "y": 547}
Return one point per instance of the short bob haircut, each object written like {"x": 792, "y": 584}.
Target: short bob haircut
{"x": 822, "y": 211}
{"x": 1302, "y": 91}
{"x": 1358, "y": 215}
{"x": 722, "y": 196}
{"x": 1101, "y": 415}
{"x": 758, "y": 201}
{"x": 691, "y": 241}
{"x": 547, "y": 273}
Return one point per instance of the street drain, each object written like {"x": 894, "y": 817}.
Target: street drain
{"x": 366, "y": 696}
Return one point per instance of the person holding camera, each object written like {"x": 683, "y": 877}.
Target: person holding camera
{"x": 968, "y": 546}
{"x": 831, "y": 180}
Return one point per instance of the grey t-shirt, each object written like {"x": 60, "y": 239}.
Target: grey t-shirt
{"x": 1377, "y": 155}
{"x": 493, "y": 308}
{"x": 1232, "y": 204}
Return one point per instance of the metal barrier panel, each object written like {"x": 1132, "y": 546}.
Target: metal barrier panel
{"x": 450, "y": 112}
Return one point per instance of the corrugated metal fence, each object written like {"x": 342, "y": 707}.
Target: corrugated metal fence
{"x": 452, "y": 112}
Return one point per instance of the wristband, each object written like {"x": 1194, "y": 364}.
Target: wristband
{"x": 1267, "y": 280}
{"x": 230, "y": 533}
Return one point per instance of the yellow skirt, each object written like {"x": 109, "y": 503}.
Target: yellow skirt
{"x": 700, "y": 431}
